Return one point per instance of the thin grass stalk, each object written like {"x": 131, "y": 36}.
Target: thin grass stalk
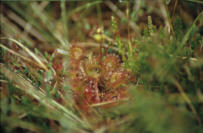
{"x": 27, "y": 87}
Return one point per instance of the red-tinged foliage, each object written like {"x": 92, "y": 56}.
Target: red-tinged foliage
{"x": 58, "y": 66}
{"x": 15, "y": 47}
{"x": 94, "y": 82}
{"x": 91, "y": 91}
{"x": 117, "y": 79}
{"x": 110, "y": 63}
{"x": 81, "y": 102}
{"x": 114, "y": 95}
{"x": 76, "y": 52}
{"x": 92, "y": 70}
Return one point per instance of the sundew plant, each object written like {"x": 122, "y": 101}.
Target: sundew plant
{"x": 101, "y": 66}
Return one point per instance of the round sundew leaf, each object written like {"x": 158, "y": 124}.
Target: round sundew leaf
{"x": 76, "y": 52}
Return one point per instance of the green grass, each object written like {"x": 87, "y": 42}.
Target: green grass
{"x": 161, "y": 48}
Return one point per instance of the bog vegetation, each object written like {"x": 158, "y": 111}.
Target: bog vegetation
{"x": 101, "y": 66}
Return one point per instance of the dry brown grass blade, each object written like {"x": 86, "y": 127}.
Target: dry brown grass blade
{"x": 11, "y": 29}
{"x": 28, "y": 28}
{"x": 108, "y": 102}
{"x": 30, "y": 53}
{"x": 163, "y": 9}
{"x": 28, "y": 88}
{"x": 188, "y": 101}
{"x": 120, "y": 14}
{"x": 23, "y": 57}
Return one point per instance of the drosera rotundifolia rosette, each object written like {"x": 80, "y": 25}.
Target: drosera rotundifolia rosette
{"x": 95, "y": 82}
